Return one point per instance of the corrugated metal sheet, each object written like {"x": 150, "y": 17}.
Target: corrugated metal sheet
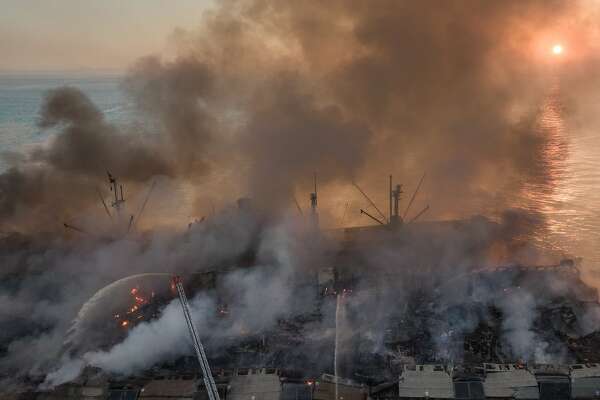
{"x": 505, "y": 380}
{"x": 432, "y": 381}
{"x": 74, "y": 391}
{"x": 346, "y": 390}
{"x": 247, "y": 385}
{"x": 585, "y": 370}
{"x": 585, "y": 381}
{"x": 169, "y": 389}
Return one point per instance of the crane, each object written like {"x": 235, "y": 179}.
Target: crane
{"x": 114, "y": 187}
{"x": 209, "y": 382}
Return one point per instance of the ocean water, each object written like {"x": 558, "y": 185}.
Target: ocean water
{"x": 569, "y": 198}
{"x": 22, "y": 95}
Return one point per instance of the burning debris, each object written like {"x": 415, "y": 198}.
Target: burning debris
{"x": 273, "y": 290}
{"x": 359, "y": 302}
{"x": 140, "y": 306}
{"x": 282, "y": 312}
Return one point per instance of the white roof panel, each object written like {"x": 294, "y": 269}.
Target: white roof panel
{"x": 426, "y": 381}
{"x": 506, "y": 380}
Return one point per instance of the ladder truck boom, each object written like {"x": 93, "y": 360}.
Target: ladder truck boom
{"x": 209, "y": 381}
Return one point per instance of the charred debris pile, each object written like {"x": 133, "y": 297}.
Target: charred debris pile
{"x": 359, "y": 302}
{"x": 497, "y": 314}
{"x": 391, "y": 296}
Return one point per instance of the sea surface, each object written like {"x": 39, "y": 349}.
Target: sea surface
{"x": 22, "y": 95}
{"x": 569, "y": 198}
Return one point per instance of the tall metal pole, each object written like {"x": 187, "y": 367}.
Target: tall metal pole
{"x": 114, "y": 188}
{"x": 413, "y": 197}
{"x": 313, "y": 204}
{"x": 369, "y": 200}
{"x": 390, "y": 198}
{"x": 396, "y": 195}
{"x": 370, "y": 216}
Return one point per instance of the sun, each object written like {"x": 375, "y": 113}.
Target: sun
{"x": 557, "y": 49}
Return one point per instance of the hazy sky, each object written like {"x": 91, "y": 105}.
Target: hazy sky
{"x": 88, "y": 34}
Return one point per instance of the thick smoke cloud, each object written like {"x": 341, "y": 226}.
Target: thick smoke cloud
{"x": 88, "y": 144}
{"x": 58, "y": 180}
{"x": 259, "y": 98}
{"x": 178, "y": 96}
{"x": 47, "y": 280}
{"x": 290, "y": 136}
{"x": 260, "y": 296}
{"x": 267, "y": 93}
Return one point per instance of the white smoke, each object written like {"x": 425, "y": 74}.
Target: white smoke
{"x": 519, "y": 311}
{"x": 69, "y": 370}
{"x": 262, "y": 295}
{"x": 148, "y": 343}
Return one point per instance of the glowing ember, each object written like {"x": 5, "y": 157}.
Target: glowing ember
{"x": 137, "y": 309}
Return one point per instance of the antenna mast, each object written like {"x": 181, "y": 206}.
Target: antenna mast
{"x": 114, "y": 187}
{"x": 313, "y": 203}
{"x": 390, "y": 200}
{"x": 395, "y": 218}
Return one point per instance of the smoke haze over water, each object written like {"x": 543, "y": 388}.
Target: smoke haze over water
{"x": 268, "y": 93}
{"x": 262, "y": 95}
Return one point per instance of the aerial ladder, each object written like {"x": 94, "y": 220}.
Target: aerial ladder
{"x": 209, "y": 381}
